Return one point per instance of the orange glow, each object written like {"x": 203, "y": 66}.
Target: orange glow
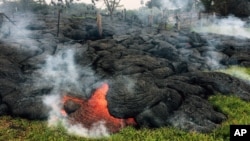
{"x": 63, "y": 113}
{"x": 95, "y": 109}
{"x": 98, "y": 99}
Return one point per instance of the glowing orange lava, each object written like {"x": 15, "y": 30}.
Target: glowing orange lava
{"x": 95, "y": 109}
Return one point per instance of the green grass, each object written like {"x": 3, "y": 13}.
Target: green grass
{"x": 239, "y": 72}
{"x": 238, "y": 112}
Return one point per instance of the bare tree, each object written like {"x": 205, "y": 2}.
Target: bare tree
{"x": 154, "y": 3}
{"x": 239, "y": 8}
{"x": 60, "y": 5}
{"x": 1, "y": 19}
{"x": 99, "y": 23}
{"x": 111, "y": 5}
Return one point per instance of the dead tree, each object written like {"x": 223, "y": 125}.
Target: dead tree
{"x": 2, "y": 16}
{"x": 111, "y": 5}
{"x": 150, "y": 20}
{"x": 178, "y": 22}
{"x": 99, "y": 23}
{"x": 1, "y": 19}
{"x": 60, "y": 5}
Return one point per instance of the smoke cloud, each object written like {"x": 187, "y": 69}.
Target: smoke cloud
{"x": 56, "y": 118}
{"x": 176, "y": 4}
{"x": 239, "y": 72}
{"x": 17, "y": 31}
{"x": 62, "y": 74}
{"x": 231, "y": 26}
{"x": 228, "y": 26}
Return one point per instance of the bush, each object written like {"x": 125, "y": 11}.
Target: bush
{"x": 240, "y": 8}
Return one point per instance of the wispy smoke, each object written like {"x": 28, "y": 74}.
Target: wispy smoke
{"x": 56, "y": 118}
{"x": 239, "y": 72}
{"x": 61, "y": 73}
{"x": 97, "y": 130}
{"x": 17, "y": 28}
{"x": 231, "y": 26}
{"x": 176, "y": 4}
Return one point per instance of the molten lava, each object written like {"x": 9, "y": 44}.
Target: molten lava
{"x": 95, "y": 110}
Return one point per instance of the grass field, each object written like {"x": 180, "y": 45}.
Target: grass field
{"x": 237, "y": 111}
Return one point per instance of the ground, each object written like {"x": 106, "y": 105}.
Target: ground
{"x": 158, "y": 78}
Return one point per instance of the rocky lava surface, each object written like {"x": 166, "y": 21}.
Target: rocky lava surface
{"x": 158, "y": 78}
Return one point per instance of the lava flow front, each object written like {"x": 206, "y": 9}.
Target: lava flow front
{"x": 93, "y": 110}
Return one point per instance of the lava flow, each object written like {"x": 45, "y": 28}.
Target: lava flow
{"x": 93, "y": 110}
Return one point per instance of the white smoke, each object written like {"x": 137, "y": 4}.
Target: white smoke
{"x": 16, "y": 28}
{"x": 175, "y": 4}
{"x": 97, "y": 130}
{"x": 239, "y": 72}
{"x": 231, "y": 26}
{"x": 228, "y": 26}
{"x": 166, "y": 11}
{"x": 56, "y": 118}
{"x": 61, "y": 73}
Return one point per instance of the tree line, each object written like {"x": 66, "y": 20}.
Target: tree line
{"x": 240, "y": 8}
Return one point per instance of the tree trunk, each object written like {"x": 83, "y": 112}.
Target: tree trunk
{"x": 111, "y": 15}
{"x": 1, "y": 20}
{"x": 58, "y": 22}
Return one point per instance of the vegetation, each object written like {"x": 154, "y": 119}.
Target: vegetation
{"x": 161, "y": 4}
{"x": 207, "y": 5}
{"x": 227, "y": 7}
{"x": 111, "y": 5}
{"x": 154, "y": 3}
{"x": 223, "y": 7}
{"x": 237, "y": 111}
{"x": 239, "y": 72}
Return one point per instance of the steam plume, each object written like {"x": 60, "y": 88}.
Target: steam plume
{"x": 231, "y": 26}
{"x": 61, "y": 73}
{"x": 176, "y": 4}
